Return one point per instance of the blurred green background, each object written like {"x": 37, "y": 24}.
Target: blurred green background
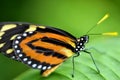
{"x": 74, "y": 16}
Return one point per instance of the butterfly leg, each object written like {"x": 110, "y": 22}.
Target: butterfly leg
{"x": 92, "y": 60}
{"x": 74, "y": 62}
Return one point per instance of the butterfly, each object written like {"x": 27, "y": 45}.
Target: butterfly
{"x": 40, "y": 47}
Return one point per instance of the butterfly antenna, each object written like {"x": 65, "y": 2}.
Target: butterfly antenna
{"x": 106, "y": 34}
{"x": 100, "y": 21}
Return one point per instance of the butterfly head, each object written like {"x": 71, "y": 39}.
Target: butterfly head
{"x": 80, "y": 44}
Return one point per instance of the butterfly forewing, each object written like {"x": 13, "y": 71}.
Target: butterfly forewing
{"x": 40, "y": 47}
{"x": 9, "y": 30}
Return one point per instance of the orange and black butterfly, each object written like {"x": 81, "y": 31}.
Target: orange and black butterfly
{"x": 40, "y": 47}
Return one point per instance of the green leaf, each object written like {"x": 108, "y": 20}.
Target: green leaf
{"x": 10, "y": 68}
{"x": 106, "y": 55}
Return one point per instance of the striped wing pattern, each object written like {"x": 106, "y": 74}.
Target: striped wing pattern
{"x": 8, "y": 31}
{"x": 40, "y": 47}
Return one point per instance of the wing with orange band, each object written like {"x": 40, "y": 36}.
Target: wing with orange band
{"x": 9, "y": 31}
{"x": 40, "y": 47}
{"x": 43, "y": 50}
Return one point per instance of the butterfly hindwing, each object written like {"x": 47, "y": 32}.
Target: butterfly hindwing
{"x": 49, "y": 71}
{"x": 42, "y": 50}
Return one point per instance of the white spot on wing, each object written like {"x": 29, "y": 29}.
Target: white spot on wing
{"x": 25, "y": 59}
{"x": 34, "y": 65}
{"x": 20, "y": 55}
{"x": 39, "y": 66}
{"x": 24, "y": 34}
{"x": 15, "y": 46}
{"x": 29, "y": 62}
{"x": 44, "y": 67}
{"x": 30, "y": 32}
{"x": 18, "y": 51}
{"x": 49, "y": 67}
{"x": 16, "y": 42}
{"x": 19, "y": 37}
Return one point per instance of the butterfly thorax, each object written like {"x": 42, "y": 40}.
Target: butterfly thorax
{"x": 80, "y": 44}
